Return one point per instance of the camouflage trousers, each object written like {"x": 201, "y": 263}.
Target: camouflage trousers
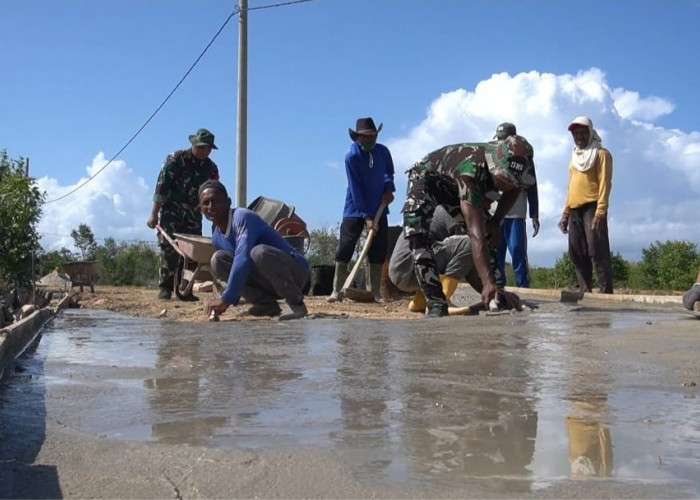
{"x": 424, "y": 192}
{"x": 169, "y": 260}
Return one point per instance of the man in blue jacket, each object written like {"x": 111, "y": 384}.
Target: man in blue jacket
{"x": 253, "y": 259}
{"x": 370, "y": 171}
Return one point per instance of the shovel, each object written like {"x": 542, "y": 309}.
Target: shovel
{"x": 357, "y": 294}
{"x": 472, "y": 310}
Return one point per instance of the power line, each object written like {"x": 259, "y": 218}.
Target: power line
{"x": 235, "y": 12}
{"x": 283, "y": 4}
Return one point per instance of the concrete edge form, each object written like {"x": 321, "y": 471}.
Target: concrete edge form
{"x": 15, "y": 338}
{"x": 615, "y": 297}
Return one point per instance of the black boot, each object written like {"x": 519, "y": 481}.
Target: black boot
{"x": 436, "y": 309}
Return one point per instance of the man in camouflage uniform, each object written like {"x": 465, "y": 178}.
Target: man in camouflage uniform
{"x": 176, "y": 201}
{"x": 462, "y": 174}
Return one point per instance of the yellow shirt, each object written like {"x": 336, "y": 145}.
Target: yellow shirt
{"x": 592, "y": 185}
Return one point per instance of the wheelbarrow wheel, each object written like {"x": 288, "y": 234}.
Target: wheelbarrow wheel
{"x": 181, "y": 286}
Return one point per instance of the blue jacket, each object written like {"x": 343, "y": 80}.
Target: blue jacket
{"x": 370, "y": 175}
{"x": 247, "y": 230}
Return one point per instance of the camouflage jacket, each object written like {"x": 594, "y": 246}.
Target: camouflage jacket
{"x": 462, "y": 167}
{"x": 177, "y": 190}
{"x": 179, "y": 180}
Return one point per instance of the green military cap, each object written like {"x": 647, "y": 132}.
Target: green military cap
{"x": 512, "y": 158}
{"x": 203, "y": 138}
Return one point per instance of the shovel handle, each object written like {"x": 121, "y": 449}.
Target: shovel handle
{"x": 365, "y": 249}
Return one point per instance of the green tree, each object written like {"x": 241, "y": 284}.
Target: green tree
{"x": 48, "y": 261}
{"x": 563, "y": 274}
{"x": 323, "y": 244}
{"x": 620, "y": 271}
{"x": 126, "y": 264}
{"x": 671, "y": 265}
{"x": 542, "y": 277}
{"x": 20, "y": 209}
{"x": 637, "y": 279}
{"x": 85, "y": 240}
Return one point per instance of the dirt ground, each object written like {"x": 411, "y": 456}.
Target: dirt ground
{"x": 143, "y": 302}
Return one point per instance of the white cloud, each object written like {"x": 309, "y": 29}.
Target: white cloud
{"x": 116, "y": 204}
{"x": 656, "y": 180}
{"x": 629, "y": 105}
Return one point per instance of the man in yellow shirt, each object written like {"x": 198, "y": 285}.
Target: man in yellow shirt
{"x": 585, "y": 215}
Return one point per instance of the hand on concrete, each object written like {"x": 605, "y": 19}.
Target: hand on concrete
{"x": 488, "y": 292}
{"x": 217, "y": 306}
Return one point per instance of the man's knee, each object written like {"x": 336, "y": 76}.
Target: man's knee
{"x": 258, "y": 253}
{"x": 221, "y": 262}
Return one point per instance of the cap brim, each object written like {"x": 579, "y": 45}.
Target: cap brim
{"x": 577, "y": 124}
{"x": 198, "y": 144}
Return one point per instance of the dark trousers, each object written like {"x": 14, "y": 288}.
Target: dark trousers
{"x": 586, "y": 245}
{"x": 350, "y": 231}
{"x": 273, "y": 275}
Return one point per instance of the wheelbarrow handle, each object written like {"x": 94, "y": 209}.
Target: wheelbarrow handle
{"x": 172, "y": 242}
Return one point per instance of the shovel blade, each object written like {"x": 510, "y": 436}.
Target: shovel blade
{"x": 358, "y": 295}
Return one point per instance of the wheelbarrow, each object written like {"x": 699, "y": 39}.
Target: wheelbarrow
{"x": 82, "y": 273}
{"x": 196, "y": 252}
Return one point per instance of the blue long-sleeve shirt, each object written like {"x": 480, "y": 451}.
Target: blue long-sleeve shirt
{"x": 246, "y": 230}
{"x": 370, "y": 175}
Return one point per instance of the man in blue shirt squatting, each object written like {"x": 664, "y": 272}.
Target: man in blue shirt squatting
{"x": 370, "y": 172}
{"x": 462, "y": 174}
{"x": 253, "y": 259}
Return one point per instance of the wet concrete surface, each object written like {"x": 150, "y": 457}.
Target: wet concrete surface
{"x": 562, "y": 401}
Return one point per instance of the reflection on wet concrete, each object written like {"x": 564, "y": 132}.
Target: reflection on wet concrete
{"x": 515, "y": 403}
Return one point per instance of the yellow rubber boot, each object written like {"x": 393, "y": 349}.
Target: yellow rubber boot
{"x": 417, "y": 304}
{"x": 449, "y": 285}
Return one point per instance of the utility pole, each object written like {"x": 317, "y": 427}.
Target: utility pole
{"x": 242, "y": 154}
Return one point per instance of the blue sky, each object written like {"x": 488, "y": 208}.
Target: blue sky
{"x": 80, "y": 78}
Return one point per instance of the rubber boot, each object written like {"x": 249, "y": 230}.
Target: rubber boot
{"x": 691, "y": 296}
{"x": 417, "y": 305}
{"x": 436, "y": 309}
{"x": 427, "y": 275}
{"x": 375, "y": 281}
{"x": 449, "y": 285}
{"x": 296, "y": 311}
{"x": 165, "y": 287}
{"x": 341, "y": 274}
